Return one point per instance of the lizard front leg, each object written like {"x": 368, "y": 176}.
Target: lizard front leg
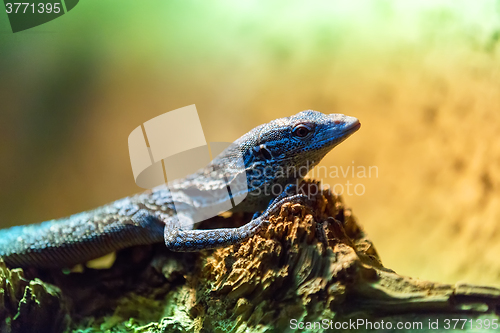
{"x": 196, "y": 240}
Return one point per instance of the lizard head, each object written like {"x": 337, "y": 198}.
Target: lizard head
{"x": 291, "y": 146}
{"x": 276, "y": 154}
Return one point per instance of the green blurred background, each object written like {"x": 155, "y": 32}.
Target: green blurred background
{"x": 422, "y": 76}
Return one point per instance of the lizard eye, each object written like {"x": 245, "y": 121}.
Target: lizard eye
{"x": 301, "y": 131}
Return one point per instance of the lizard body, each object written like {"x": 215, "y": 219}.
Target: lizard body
{"x": 287, "y": 144}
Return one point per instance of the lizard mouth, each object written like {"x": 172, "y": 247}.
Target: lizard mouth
{"x": 346, "y": 132}
{"x": 353, "y": 128}
{"x": 331, "y": 140}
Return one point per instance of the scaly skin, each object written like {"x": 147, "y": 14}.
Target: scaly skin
{"x": 276, "y": 154}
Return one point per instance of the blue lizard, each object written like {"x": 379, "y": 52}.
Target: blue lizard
{"x": 273, "y": 153}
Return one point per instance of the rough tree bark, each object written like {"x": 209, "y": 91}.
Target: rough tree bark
{"x": 311, "y": 269}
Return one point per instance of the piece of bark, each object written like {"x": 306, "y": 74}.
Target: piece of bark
{"x": 28, "y": 304}
{"x": 312, "y": 265}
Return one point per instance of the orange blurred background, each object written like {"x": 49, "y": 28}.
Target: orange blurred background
{"x": 422, "y": 76}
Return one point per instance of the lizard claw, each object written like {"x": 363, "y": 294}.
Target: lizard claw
{"x": 278, "y": 202}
